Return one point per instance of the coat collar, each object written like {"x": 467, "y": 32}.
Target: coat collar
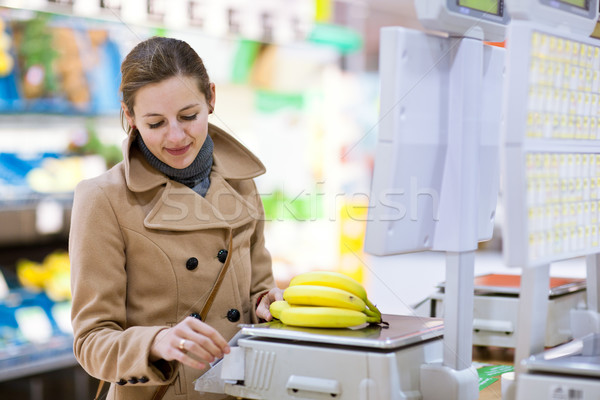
{"x": 231, "y": 160}
{"x": 178, "y": 207}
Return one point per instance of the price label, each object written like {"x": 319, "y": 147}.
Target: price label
{"x": 34, "y": 324}
{"x": 49, "y": 217}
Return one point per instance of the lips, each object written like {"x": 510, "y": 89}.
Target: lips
{"x": 177, "y": 151}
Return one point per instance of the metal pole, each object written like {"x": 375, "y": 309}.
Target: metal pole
{"x": 458, "y": 309}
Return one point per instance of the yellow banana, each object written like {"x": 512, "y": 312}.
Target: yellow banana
{"x": 324, "y": 317}
{"x": 335, "y": 280}
{"x": 309, "y": 295}
{"x": 276, "y": 307}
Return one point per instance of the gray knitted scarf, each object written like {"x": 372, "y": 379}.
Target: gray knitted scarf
{"x": 195, "y": 176}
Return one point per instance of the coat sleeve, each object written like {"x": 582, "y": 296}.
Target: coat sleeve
{"x": 103, "y": 344}
{"x": 262, "y": 272}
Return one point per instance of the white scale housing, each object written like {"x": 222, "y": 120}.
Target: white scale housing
{"x": 370, "y": 362}
{"x": 551, "y": 170}
{"x": 496, "y": 308}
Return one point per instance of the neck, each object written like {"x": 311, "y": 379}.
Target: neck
{"x": 195, "y": 176}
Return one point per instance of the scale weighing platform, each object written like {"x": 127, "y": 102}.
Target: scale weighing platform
{"x": 368, "y": 362}
{"x": 496, "y": 305}
{"x": 570, "y": 372}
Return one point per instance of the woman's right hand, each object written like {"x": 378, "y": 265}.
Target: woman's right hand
{"x": 191, "y": 342}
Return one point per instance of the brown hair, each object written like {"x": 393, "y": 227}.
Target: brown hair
{"x": 155, "y": 60}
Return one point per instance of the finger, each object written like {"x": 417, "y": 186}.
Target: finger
{"x": 203, "y": 349}
{"x": 200, "y": 334}
{"x": 209, "y": 338}
{"x": 196, "y": 347}
{"x": 263, "y": 312}
{"x": 277, "y": 294}
{"x": 185, "y": 358}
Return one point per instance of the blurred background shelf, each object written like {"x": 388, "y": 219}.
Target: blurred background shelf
{"x": 20, "y": 222}
{"x": 31, "y": 359}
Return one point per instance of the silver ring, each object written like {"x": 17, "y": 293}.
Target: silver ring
{"x": 182, "y": 344}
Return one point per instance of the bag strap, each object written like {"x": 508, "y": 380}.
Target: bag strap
{"x": 100, "y": 386}
{"x": 161, "y": 390}
{"x": 217, "y": 284}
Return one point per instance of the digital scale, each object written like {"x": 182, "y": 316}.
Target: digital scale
{"x": 366, "y": 362}
{"x": 551, "y": 170}
{"x": 437, "y": 164}
{"x": 569, "y": 372}
{"x": 496, "y": 306}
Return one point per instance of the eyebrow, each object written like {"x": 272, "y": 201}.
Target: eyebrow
{"x": 183, "y": 109}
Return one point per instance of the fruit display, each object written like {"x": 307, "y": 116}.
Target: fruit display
{"x": 52, "y": 275}
{"x": 60, "y": 66}
{"x": 36, "y": 56}
{"x": 325, "y": 299}
{"x": 6, "y": 59}
{"x": 61, "y": 175}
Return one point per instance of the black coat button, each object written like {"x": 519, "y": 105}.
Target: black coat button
{"x": 133, "y": 380}
{"x": 222, "y": 255}
{"x": 196, "y": 315}
{"x": 143, "y": 379}
{"x": 233, "y": 315}
{"x": 122, "y": 382}
{"x": 191, "y": 263}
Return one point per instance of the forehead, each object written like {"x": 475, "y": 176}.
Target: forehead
{"x": 168, "y": 95}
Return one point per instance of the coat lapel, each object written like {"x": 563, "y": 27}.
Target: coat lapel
{"x": 181, "y": 209}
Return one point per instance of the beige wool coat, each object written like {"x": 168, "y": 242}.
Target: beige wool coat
{"x": 144, "y": 255}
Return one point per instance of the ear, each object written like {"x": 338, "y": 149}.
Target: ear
{"x": 212, "y": 97}
{"x": 127, "y": 114}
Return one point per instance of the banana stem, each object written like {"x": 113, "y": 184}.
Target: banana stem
{"x": 371, "y": 313}
{"x": 372, "y": 308}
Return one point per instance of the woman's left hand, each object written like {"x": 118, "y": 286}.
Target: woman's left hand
{"x": 262, "y": 311}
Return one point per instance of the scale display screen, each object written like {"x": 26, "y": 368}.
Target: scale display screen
{"x": 487, "y": 6}
{"x": 479, "y": 19}
{"x": 582, "y": 8}
{"x": 576, "y": 3}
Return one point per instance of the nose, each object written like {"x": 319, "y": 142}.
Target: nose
{"x": 176, "y": 132}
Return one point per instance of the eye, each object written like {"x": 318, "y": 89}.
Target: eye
{"x": 156, "y": 125}
{"x": 189, "y": 117}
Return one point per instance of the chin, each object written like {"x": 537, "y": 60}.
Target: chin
{"x": 181, "y": 164}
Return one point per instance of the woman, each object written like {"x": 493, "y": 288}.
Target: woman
{"x": 150, "y": 236}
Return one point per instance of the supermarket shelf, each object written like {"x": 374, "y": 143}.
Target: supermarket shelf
{"x": 33, "y": 359}
{"x": 37, "y": 367}
{"x": 21, "y": 221}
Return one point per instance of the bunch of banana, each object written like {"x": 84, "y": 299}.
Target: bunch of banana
{"x": 277, "y": 307}
{"x": 325, "y": 299}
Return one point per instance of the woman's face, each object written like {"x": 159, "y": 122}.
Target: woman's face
{"x": 172, "y": 117}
